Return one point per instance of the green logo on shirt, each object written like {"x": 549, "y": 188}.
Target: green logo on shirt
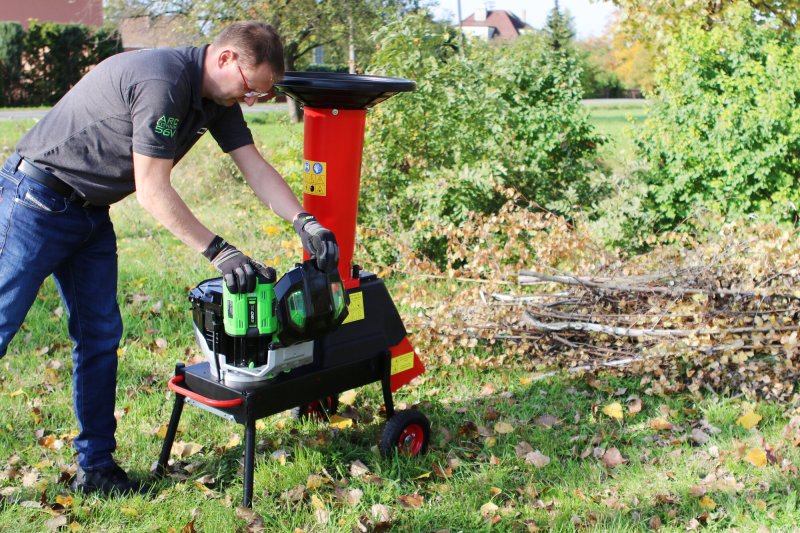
{"x": 167, "y": 126}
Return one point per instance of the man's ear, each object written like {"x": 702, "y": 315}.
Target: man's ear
{"x": 225, "y": 57}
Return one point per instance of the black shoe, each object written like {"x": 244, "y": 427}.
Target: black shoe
{"x": 107, "y": 481}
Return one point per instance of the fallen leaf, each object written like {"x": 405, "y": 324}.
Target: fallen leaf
{"x": 546, "y": 421}
{"x": 488, "y": 509}
{"x": 348, "y": 397}
{"x": 411, "y": 501}
{"x": 699, "y": 436}
{"x": 255, "y": 523}
{"x": 351, "y": 497}
{"x": 315, "y": 481}
{"x": 161, "y": 344}
{"x": 707, "y": 503}
{"x": 749, "y": 420}
{"x": 612, "y": 458}
{"x": 74, "y": 526}
{"x": 380, "y": 513}
{"x": 537, "y": 459}
{"x": 185, "y": 449}
{"x": 56, "y": 522}
{"x": 233, "y": 441}
{"x": 503, "y": 428}
{"x": 358, "y": 469}
{"x": 340, "y": 422}
{"x": 654, "y": 523}
{"x": 522, "y": 449}
{"x": 130, "y": 511}
{"x": 614, "y": 410}
{"x": 660, "y": 424}
{"x": 756, "y": 457}
{"x": 634, "y": 405}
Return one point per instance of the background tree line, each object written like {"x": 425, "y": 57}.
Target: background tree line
{"x": 40, "y": 64}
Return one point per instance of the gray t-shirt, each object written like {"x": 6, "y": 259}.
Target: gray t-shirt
{"x": 148, "y": 102}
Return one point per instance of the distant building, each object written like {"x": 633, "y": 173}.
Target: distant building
{"x": 494, "y": 24}
{"x": 88, "y": 12}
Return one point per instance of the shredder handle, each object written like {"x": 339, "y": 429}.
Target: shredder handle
{"x": 173, "y": 385}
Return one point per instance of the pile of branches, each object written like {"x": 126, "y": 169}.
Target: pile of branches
{"x": 717, "y": 313}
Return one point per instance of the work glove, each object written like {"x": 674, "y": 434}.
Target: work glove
{"x": 237, "y": 269}
{"x": 319, "y": 242}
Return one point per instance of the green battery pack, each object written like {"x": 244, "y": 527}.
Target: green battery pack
{"x": 251, "y": 313}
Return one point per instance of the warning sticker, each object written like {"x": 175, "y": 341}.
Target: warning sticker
{"x": 355, "y": 311}
{"x": 314, "y": 180}
{"x": 401, "y": 363}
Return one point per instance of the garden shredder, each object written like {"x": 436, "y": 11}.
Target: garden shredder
{"x": 300, "y": 341}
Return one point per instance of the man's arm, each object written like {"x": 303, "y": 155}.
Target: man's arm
{"x": 157, "y": 196}
{"x": 270, "y": 187}
{"x": 265, "y": 181}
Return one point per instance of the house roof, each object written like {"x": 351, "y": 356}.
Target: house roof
{"x": 507, "y": 24}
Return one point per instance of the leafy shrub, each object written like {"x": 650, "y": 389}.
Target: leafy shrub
{"x": 725, "y": 131}
{"x": 483, "y": 118}
{"x": 11, "y": 39}
{"x": 58, "y": 56}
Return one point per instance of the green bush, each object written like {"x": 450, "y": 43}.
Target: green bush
{"x": 483, "y": 118}
{"x": 724, "y": 134}
{"x": 11, "y": 42}
{"x": 58, "y": 56}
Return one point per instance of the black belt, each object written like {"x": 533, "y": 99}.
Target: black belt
{"x": 48, "y": 179}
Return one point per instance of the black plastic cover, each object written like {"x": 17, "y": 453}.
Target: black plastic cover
{"x": 334, "y": 90}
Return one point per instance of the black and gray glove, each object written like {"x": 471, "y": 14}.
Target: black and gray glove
{"x": 236, "y": 268}
{"x": 319, "y": 242}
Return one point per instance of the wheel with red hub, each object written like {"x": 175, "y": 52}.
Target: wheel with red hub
{"x": 321, "y": 409}
{"x": 408, "y": 432}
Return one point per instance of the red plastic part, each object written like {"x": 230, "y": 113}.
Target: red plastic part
{"x": 399, "y": 379}
{"x": 173, "y": 385}
{"x": 411, "y": 439}
{"x": 335, "y": 138}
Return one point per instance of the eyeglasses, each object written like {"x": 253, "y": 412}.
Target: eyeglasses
{"x": 250, "y": 92}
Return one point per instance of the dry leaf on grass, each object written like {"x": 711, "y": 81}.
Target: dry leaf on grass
{"x": 749, "y": 420}
{"x": 537, "y": 459}
{"x": 756, "y": 457}
{"x": 634, "y": 405}
{"x": 522, "y": 449}
{"x": 614, "y": 410}
{"x": 707, "y": 503}
{"x": 411, "y": 501}
{"x": 185, "y": 449}
{"x": 340, "y": 422}
{"x": 348, "y": 397}
{"x": 612, "y": 458}
{"x": 503, "y": 428}
{"x": 358, "y": 469}
{"x": 660, "y": 424}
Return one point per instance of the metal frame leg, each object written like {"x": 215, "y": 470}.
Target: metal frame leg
{"x": 172, "y": 428}
{"x": 249, "y": 459}
{"x": 386, "y": 385}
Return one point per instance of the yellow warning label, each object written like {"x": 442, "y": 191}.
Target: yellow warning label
{"x": 401, "y": 363}
{"x": 314, "y": 180}
{"x": 355, "y": 310}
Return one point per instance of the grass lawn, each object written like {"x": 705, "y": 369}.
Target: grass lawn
{"x": 509, "y": 452}
{"x": 618, "y": 122}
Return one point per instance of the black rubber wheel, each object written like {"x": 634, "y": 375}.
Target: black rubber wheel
{"x": 407, "y": 432}
{"x": 322, "y": 409}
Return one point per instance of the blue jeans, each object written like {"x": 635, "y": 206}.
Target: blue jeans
{"x": 44, "y": 233}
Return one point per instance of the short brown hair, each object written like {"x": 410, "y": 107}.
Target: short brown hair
{"x": 256, "y": 43}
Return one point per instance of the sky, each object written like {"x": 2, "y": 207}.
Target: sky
{"x": 590, "y": 17}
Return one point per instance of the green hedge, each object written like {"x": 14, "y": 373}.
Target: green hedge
{"x": 724, "y": 134}
{"x": 38, "y": 66}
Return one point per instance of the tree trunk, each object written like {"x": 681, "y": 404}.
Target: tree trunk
{"x": 351, "y": 37}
